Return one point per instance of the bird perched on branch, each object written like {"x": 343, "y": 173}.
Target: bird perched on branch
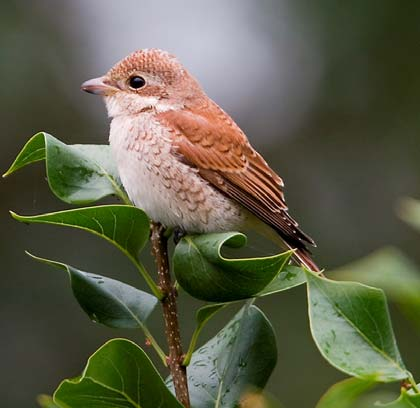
{"x": 184, "y": 161}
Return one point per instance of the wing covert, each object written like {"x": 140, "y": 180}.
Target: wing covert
{"x": 211, "y": 141}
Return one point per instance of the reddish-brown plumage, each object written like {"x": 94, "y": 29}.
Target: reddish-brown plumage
{"x": 187, "y": 129}
{"x": 210, "y": 141}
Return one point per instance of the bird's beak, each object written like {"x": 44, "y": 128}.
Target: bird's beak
{"x": 98, "y": 86}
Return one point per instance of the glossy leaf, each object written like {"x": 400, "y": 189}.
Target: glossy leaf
{"x": 351, "y": 326}
{"x": 390, "y": 270}
{"x": 345, "y": 393}
{"x": 118, "y": 375}
{"x": 108, "y": 301}
{"x": 33, "y": 151}
{"x": 204, "y": 273}
{"x": 203, "y": 315}
{"x": 375, "y": 399}
{"x": 288, "y": 278}
{"x": 125, "y": 226}
{"x": 77, "y": 174}
{"x": 243, "y": 354}
{"x": 407, "y": 399}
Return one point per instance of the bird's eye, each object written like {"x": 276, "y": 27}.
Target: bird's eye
{"x": 136, "y": 82}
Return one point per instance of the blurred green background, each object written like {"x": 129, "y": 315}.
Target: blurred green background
{"x": 327, "y": 91}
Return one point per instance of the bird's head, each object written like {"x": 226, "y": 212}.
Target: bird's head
{"x": 146, "y": 79}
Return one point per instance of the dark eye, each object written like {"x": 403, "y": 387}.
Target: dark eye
{"x": 136, "y": 82}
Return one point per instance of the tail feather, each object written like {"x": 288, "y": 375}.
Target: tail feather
{"x": 301, "y": 256}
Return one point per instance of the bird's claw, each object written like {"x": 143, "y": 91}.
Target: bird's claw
{"x": 179, "y": 233}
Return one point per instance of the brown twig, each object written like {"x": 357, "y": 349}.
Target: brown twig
{"x": 170, "y": 314}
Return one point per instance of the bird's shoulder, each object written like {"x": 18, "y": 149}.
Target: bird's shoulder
{"x": 209, "y": 140}
{"x": 212, "y": 140}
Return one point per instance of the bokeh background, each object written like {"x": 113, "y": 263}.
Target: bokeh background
{"x": 327, "y": 91}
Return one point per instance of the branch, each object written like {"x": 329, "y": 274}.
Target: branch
{"x": 170, "y": 314}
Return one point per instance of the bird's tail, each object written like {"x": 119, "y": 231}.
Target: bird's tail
{"x": 301, "y": 255}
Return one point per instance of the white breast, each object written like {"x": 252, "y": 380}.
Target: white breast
{"x": 168, "y": 190}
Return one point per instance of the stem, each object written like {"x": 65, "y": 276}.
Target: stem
{"x": 118, "y": 190}
{"x": 155, "y": 345}
{"x": 152, "y": 285}
{"x": 170, "y": 314}
{"x": 121, "y": 193}
{"x": 201, "y": 322}
{"x": 414, "y": 384}
{"x": 191, "y": 348}
{"x": 149, "y": 280}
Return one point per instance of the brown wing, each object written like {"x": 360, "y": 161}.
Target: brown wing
{"x": 214, "y": 144}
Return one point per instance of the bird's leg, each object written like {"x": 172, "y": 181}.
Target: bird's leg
{"x": 179, "y": 233}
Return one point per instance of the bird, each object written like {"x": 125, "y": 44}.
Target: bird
{"x": 184, "y": 161}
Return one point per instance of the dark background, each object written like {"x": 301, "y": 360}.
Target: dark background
{"x": 327, "y": 91}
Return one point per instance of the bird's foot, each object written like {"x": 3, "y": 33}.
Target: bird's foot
{"x": 179, "y": 233}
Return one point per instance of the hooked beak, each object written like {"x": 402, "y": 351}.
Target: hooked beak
{"x": 98, "y": 86}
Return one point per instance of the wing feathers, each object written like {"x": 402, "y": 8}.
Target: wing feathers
{"x": 216, "y": 146}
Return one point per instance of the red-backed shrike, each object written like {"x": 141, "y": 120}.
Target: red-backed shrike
{"x": 184, "y": 161}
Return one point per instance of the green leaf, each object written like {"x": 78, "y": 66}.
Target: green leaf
{"x": 409, "y": 211}
{"x": 125, "y": 226}
{"x": 351, "y": 326}
{"x": 77, "y": 174}
{"x": 33, "y": 151}
{"x": 110, "y": 302}
{"x": 203, "y": 315}
{"x": 345, "y": 393}
{"x": 407, "y": 399}
{"x": 243, "y": 354}
{"x": 118, "y": 375}
{"x": 288, "y": 278}
{"x": 204, "y": 273}
{"x": 107, "y": 301}
{"x": 375, "y": 399}
{"x": 45, "y": 401}
{"x": 389, "y": 269}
